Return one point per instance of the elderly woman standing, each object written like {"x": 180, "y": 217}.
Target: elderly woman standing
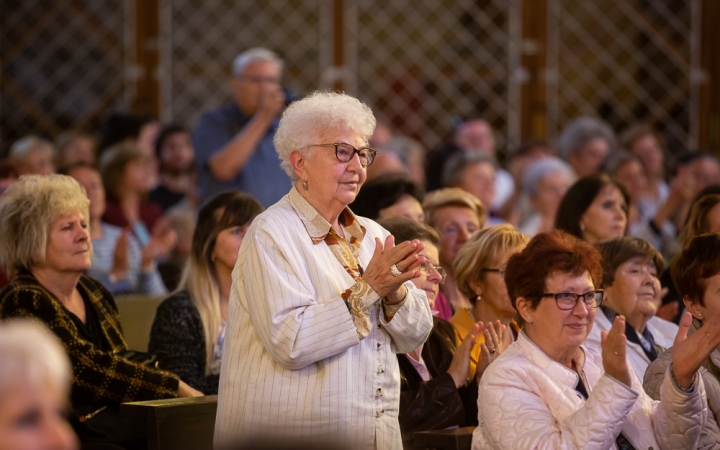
{"x": 321, "y": 300}
{"x": 632, "y": 289}
{"x": 696, "y": 273}
{"x": 46, "y": 242}
{"x": 548, "y": 391}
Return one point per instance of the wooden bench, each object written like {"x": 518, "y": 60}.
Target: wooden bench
{"x": 176, "y": 423}
{"x": 452, "y": 439}
{"x": 137, "y": 313}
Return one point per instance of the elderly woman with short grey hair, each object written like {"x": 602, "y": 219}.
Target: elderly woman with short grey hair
{"x": 321, "y": 299}
{"x": 44, "y": 222}
{"x": 585, "y": 143}
{"x": 544, "y": 183}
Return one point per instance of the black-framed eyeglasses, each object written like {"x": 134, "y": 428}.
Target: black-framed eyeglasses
{"x": 569, "y": 300}
{"x": 345, "y": 152}
{"x": 500, "y": 270}
{"x": 427, "y": 268}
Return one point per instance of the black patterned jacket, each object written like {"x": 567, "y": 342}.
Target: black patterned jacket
{"x": 99, "y": 377}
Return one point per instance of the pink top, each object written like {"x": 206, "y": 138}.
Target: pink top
{"x": 442, "y": 307}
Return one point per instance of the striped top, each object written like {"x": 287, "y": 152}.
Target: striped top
{"x": 294, "y": 368}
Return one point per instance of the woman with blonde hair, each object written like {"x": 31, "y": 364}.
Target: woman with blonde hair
{"x": 189, "y": 327}
{"x": 480, "y": 274}
{"x": 456, "y": 215}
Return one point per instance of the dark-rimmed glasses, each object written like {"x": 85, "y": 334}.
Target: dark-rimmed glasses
{"x": 500, "y": 270}
{"x": 427, "y": 268}
{"x": 345, "y": 152}
{"x": 569, "y": 300}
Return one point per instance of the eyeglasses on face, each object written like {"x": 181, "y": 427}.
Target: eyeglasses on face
{"x": 500, "y": 270}
{"x": 569, "y": 300}
{"x": 427, "y": 268}
{"x": 345, "y": 152}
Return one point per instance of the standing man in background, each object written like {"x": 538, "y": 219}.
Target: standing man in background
{"x": 234, "y": 143}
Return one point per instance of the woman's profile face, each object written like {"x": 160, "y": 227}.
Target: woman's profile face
{"x": 606, "y": 217}
{"x": 332, "y": 182}
{"x": 429, "y": 279}
{"x": 635, "y": 289}
{"x": 68, "y": 245}
{"x": 711, "y": 300}
{"x": 557, "y": 331}
{"x": 227, "y": 246}
{"x": 34, "y": 418}
{"x": 492, "y": 286}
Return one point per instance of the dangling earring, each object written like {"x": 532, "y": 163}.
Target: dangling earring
{"x": 478, "y": 298}
{"x": 304, "y": 185}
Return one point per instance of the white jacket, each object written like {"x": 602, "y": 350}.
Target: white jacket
{"x": 526, "y": 400}
{"x": 662, "y": 331}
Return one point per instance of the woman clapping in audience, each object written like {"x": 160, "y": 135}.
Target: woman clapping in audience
{"x": 189, "y": 328}
{"x": 46, "y": 243}
{"x": 549, "y": 391}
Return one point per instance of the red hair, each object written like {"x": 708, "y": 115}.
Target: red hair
{"x": 546, "y": 254}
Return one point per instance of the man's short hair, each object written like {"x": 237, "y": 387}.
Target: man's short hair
{"x": 253, "y": 55}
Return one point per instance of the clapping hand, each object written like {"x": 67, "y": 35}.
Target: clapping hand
{"x": 460, "y": 364}
{"x": 497, "y": 339}
{"x": 688, "y": 353}
{"x": 614, "y": 351}
{"x": 404, "y": 257}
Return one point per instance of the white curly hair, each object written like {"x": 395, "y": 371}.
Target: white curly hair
{"x": 306, "y": 121}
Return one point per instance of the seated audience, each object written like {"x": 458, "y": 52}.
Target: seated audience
{"x": 595, "y": 208}
{"x": 75, "y": 146}
{"x": 644, "y": 142}
{"x": 585, "y": 143}
{"x": 34, "y": 389}
{"x": 46, "y": 242}
{"x": 189, "y": 327}
{"x": 183, "y": 222}
{"x": 479, "y": 269}
{"x": 704, "y": 218}
{"x": 456, "y": 215}
{"x": 385, "y": 163}
{"x": 631, "y": 286}
{"x": 125, "y": 172}
{"x": 389, "y": 196}
{"x": 696, "y": 273}
{"x": 118, "y": 261}
{"x": 411, "y": 153}
{"x": 627, "y": 169}
{"x": 473, "y": 173}
{"x": 549, "y": 391}
{"x": 433, "y": 377}
{"x": 32, "y": 155}
{"x": 175, "y": 153}
{"x": 544, "y": 184}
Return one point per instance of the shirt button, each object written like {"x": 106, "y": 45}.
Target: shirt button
{"x": 378, "y": 393}
{"x": 379, "y": 345}
{"x": 379, "y": 412}
{"x": 380, "y": 369}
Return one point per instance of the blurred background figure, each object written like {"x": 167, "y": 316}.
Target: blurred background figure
{"x": 545, "y": 182}
{"x": 595, "y": 208}
{"x": 34, "y": 389}
{"x": 126, "y": 173}
{"x": 138, "y": 129}
{"x": 75, "y": 146}
{"x": 8, "y": 175}
{"x": 643, "y": 141}
{"x": 456, "y": 215}
{"x": 382, "y": 134}
{"x": 474, "y": 173}
{"x": 628, "y": 170}
{"x": 234, "y": 143}
{"x": 32, "y": 155}
{"x": 119, "y": 262}
{"x": 177, "y": 183}
{"x": 189, "y": 327}
{"x": 389, "y": 196}
{"x": 585, "y": 143}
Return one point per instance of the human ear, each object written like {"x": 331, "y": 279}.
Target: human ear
{"x": 524, "y": 308}
{"x": 694, "y": 308}
{"x": 297, "y": 161}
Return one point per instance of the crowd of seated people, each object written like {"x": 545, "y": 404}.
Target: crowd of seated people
{"x": 574, "y": 270}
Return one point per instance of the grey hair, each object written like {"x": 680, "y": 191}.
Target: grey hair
{"x": 306, "y": 120}
{"x": 27, "y": 210}
{"x": 31, "y": 353}
{"x": 581, "y": 130}
{"x": 253, "y": 55}
{"x": 409, "y": 150}
{"x": 542, "y": 168}
{"x": 27, "y": 144}
{"x": 452, "y": 173}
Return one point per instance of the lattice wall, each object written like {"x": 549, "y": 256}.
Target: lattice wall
{"x": 626, "y": 61}
{"x": 64, "y": 63}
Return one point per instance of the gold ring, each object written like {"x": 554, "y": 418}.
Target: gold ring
{"x": 492, "y": 351}
{"x": 394, "y": 271}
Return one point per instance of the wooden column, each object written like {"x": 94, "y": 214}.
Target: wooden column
{"x": 533, "y": 101}
{"x": 338, "y": 51}
{"x": 147, "y": 27}
{"x": 709, "y": 117}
